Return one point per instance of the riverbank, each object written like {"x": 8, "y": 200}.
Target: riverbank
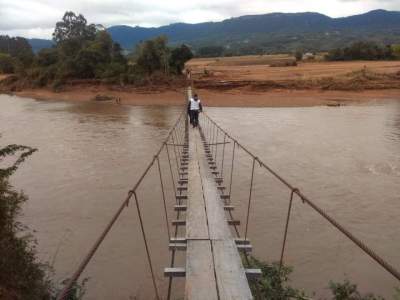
{"x": 272, "y": 98}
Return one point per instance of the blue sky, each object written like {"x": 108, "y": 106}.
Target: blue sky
{"x": 36, "y": 18}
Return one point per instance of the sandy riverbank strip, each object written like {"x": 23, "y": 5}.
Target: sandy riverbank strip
{"x": 273, "y": 98}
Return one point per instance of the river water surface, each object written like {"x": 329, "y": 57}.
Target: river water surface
{"x": 346, "y": 159}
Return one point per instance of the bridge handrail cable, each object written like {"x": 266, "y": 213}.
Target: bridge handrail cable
{"x": 82, "y": 266}
{"x": 371, "y": 253}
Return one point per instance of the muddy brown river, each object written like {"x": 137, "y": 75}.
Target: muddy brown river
{"x": 346, "y": 159}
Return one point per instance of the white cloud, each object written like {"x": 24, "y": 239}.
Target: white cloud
{"x": 36, "y": 18}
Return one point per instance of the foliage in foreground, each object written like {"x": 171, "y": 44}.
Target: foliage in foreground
{"x": 275, "y": 285}
{"x": 349, "y": 291}
{"x": 21, "y": 276}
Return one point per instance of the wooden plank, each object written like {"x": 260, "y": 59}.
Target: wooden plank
{"x": 217, "y": 224}
{"x": 196, "y": 212}
{"x": 242, "y": 241}
{"x": 230, "y": 273}
{"x": 180, "y": 207}
{"x": 177, "y": 246}
{"x": 179, "y": 222}
{"x": 245, "y": 247}
{"x": 200, "y": 278}
{"x": 214, "y": 268}
{"x": 234, "y": 222}
{"x": 174, "y": 272}
{"x": 229, "y": 207}
{"x": 253, "y": 273}
{"x": 177, "y": 240}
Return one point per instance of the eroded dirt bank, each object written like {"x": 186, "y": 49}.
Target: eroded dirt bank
{"x": 235, "y": 98}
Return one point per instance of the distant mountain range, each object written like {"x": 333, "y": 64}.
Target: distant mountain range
{"x": 38, "y": 44}
{"x": 276, "y": 32}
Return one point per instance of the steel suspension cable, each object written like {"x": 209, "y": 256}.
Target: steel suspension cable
{"x": 146, "y": 246}
{"x": 223, "y": 157}
{"x": 176, "y": 143}
{"x": 216, "y": 146}
{"x": 176, "y": 156}
{"x": 320, "y": 211}
{"x": 249, "y": 203}
{"x": 88, "y": 257}
{"x": 163, "y": 198}
{"x": 286, "y": 229}
{"x": 232, "y": 164}
{"x": 172, "y": 173}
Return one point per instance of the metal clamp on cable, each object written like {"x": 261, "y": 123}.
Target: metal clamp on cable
{"x": 130, "y": 194}
{"x": 296, "y": 191}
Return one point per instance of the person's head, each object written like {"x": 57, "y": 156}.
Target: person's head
{"x": 195, "y": 97}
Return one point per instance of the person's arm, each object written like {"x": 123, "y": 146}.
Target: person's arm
{"x": 200, "y": 106}
{"x": 188, "y": 107}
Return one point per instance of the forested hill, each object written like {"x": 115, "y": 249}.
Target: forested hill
{"x": 277, "y": 32}
{"x": 273, "y": 32}
{"x": 38, "y": 44}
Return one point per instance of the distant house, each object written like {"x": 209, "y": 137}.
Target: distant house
{"x": 308, "y": 56}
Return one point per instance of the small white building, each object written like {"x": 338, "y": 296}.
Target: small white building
{"x": 308, "y": 56}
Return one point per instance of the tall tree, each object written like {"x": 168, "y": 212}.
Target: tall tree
{"x": 179, "y": 56}
{"x": 19, "y": 48}
{"x": 74, "y": 26}
{"x": 153, "y": 55}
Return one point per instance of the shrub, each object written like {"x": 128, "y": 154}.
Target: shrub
{"x": 349, "y": 291}
{"x": 396, "y": 51}
{"x": 361, "y": 51}
{"x": 179, "y": 56}
{"x": 110, "y": 71}
{"x": 47, "y": 57}
{"x": 6, "y": 64}
{"x": 298, "y": 55}
{"x": 273, "y": 285}
{"x": 152, "y": 55}
{"x": 21, "y": 275}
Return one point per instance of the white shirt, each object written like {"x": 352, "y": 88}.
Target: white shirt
{"x": 194, "y": 105}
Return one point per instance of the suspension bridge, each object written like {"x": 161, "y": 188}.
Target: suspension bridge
{"x": 204, "y": 226}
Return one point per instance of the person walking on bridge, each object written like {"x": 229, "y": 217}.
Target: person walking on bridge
{"x": 194, "y": 108}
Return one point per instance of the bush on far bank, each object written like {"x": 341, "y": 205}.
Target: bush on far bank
{"x": 85, "y": 52}
{"x": 364, "y": 51}
{"x": 6, "y": 64}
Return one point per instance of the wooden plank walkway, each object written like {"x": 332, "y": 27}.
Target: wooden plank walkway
{"x": 196, "y": 218}
{"x": 214, "y": 268}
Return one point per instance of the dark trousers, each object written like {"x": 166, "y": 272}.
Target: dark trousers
{"x": 190, "y": 117}
{"x": 194, "y": 117}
